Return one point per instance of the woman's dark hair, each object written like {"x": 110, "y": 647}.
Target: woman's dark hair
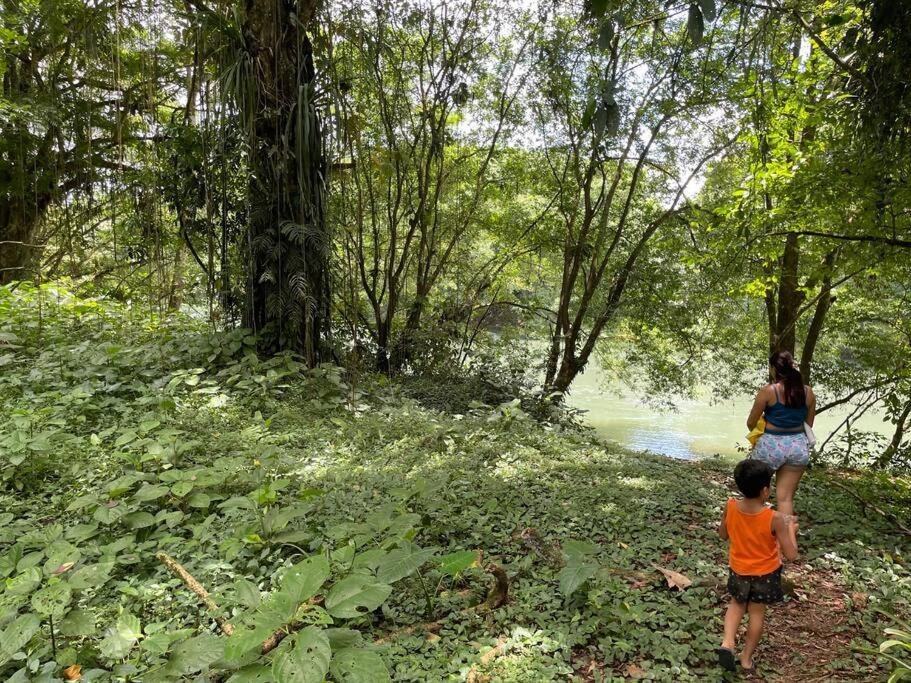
{"x": 752, "y": 476}
{"x": 786, "y": 370}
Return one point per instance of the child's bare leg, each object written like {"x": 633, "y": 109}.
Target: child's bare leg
{"x": 732, "y": 621}
{"x": 756, "y": 611}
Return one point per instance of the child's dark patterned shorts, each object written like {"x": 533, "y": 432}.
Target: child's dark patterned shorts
{"x": 765, "y": 588}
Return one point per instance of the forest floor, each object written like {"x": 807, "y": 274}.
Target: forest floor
{"x": 123, "y": 438}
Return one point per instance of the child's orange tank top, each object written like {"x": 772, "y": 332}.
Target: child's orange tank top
{"x": 754, "y": 548}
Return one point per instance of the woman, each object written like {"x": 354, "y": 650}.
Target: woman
{"x": 787, "y": 403}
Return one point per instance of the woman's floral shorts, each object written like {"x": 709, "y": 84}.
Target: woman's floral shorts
{"x": 777, "y": 449}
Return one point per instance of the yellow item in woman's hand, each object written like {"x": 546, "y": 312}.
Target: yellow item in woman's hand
{"x": 758, "y": 430}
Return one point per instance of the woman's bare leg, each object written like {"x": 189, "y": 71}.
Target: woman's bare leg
{"x": 787, "y": 480}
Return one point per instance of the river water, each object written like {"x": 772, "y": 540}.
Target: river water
{"x": 697, "y": 429}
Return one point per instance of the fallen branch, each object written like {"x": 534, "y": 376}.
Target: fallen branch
{"x": 197, "y": 588}
{"x": 867, "y": 504}
{"x": 226, "y": 627}
{"x": 486, "y": 658}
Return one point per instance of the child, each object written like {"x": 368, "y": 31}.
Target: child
{"x": 759, "y": 538}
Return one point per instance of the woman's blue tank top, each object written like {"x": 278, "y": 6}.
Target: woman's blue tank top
{"x": 785, "y": 417}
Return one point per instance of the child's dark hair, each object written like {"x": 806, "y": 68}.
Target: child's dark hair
{"x": 752, "y": 476}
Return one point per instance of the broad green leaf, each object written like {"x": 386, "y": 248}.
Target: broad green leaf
{"x": 340, "y": 638}
{"x": 276, "y": 611}
{"x": 139, "y": 520}
{"x": 356, "y": 595}
{"x": 576, "y": 551}
{"x": 52, "y": 600}
{"x": 304, "y": 579}
{"x": 182, "y": 488}
{"x": 400, "y": 563}
{"x": 243, "y": 640}
{"x": 120, "y": 638}
{"x": 574, "y": 575}
{"x": 246, "y": 593}
{"x": 25, "y": 582}
{"x": 15, "y": 636}
{"x": 457, "y": 562}
{"x": 196, "y": 654}
{"x": 307, "y": 662}
{"x": 60, "y": 553}
{"x": 199, "y": 500}
{"x": 78, "y": 622}
{"x": 150, "y": 492}
{"x": 91, "y": 576}
{"x": 108, "y": 514}
{"x": 359, "y": 665}
{"x": 255, "y": 673}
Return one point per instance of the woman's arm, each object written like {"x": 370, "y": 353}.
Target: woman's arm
{"x": 759, "y": 404}
{"x": 811, "y": 406}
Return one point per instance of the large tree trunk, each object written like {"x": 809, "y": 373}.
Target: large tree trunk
{"x": 789, "y": 298}
{"x": 288, "y": 298}
{"x": 823, "y": 303}
{"x": 18, "y": 252}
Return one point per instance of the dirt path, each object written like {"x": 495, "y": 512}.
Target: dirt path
{"x": 805, "y": 634}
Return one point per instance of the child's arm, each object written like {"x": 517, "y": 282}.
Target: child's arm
{"x": 785, "y": 529}
{"x": 723, "y": 527}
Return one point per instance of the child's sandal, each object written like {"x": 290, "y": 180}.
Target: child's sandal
{"x": 726, "y": 658}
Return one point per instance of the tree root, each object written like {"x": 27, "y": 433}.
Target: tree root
{"x": 499, "y": 592}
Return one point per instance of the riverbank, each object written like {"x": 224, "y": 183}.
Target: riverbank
{"x": 697, "y": 428}
{"x": 480, "y": 547}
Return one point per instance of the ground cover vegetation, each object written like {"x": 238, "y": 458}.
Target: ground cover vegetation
{"x": 291, "y": 295}
{"x": 353, "y": 533}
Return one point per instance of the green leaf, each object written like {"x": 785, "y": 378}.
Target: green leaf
{"x": 15, "y": 636}
{"x": 196, "y": 654}
{"x": 356, "y": 595}
{"x": 304, "y": 579}
{"x": 246, "y": 593}
{"x": 243, "y": 640}
{"x": 61, "y": 553}
{"x": 139, "y": 520}
{"x": 340, "y": 638}
{"x": 78, "y": 622}
{"x": 182, "y": 488}
{"x": 91, "y": 576}
{"x": 307, "y": 662}
{"x": 576, "y": 551}
{"x": 150, "y": 492}
{"x": 52, "y": 600}
{"x": 359, "y": 665}
{"x": 401, "y": 563}
{"x": 120, "y": 638}
{"x": 572, "y": 576}
{"x": 108, "y": 514}
{"x": 199, "y": 500}
{"x": 457, "y": 562}
{"x": 24, "y": 583}
{"x": 255, "y": 673}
